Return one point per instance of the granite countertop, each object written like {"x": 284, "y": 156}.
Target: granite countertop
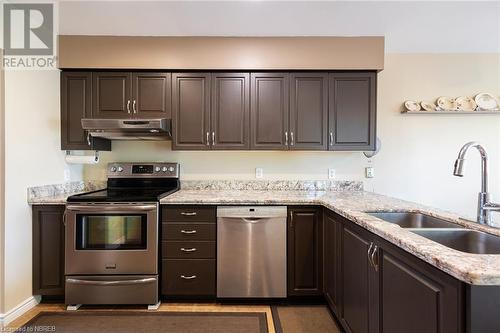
{"x": 478, "y": 269}
{"x": 58, "y": 193}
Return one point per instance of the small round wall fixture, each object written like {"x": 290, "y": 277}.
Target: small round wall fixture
{"x": 370, "y": 154}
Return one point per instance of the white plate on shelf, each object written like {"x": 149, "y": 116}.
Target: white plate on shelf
{"x": 486, "y": 101}
{"x": 412, "y": 106}
{"x": 428, "y": 106}
{"x": 446, "y": 103}
{"x": 465, "y": 103}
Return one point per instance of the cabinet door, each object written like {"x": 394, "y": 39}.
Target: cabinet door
{"x": 151, "y": 95}
{"x": 48, "y": 250}
{"x": 415, "y": 298}
{"x": 356, "y": 277}
{"x": 352, "y": 111}
{"x": 112, "y": 95}
{"x": 308, "y": 111}
{"x": 269, "y": 111}
{"x": 305, "y": 262}
{"x": 332, "y": 236}
{"x": 230, "y": 111}
{"x": 76, "y": 97}
{"x": 191, "y": 111}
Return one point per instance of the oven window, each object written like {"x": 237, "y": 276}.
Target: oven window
{"x": 111, "y": 232}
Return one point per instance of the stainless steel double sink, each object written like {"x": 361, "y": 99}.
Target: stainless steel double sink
{"x": 443, "y": 232}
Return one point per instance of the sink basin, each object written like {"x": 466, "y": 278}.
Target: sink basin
{"x": 464, "y": 240}
{"x": 413, "y": 220}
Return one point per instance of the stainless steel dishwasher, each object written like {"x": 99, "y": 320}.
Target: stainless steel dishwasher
{"x": 251, "y": 251}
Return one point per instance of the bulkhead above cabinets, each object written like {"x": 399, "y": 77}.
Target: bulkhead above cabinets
{"x": 215, "y": 110}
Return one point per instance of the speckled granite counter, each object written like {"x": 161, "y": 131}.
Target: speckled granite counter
{"x": 470, "y": 268}
{"x": 58, "y": 193}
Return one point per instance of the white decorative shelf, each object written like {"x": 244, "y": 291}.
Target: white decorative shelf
{"x": 496, "y": 112}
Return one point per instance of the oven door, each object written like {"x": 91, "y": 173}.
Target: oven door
{"x": 111, "y": 239}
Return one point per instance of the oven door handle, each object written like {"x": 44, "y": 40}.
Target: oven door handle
{"x": 110, "y": 208}
{"x": 110, "y": 283}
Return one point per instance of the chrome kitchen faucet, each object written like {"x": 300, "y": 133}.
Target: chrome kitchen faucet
{"x": 484, "y": 206}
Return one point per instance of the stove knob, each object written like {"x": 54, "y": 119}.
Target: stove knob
{"x": 120, "y": 169}
{"x": 171, "y": 169}
{"x": 164, "y": 169}
{"x": 157, "y": 169}
{"x": 113, "y": 169}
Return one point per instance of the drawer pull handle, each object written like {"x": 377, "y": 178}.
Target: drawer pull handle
{"x": 193, "y": 249}
{"x": 188, "y": 277}
{"x": 189, "y": 232}
{"x": 188, "y": 213}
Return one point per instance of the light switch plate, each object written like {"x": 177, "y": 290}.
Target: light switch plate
{"x": 331, "y": 173}
{"x": 369, "y": 172}
{"x": 259, "y": 172}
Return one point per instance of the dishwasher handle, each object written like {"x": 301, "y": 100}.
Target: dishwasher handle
{"x": 254, "y": 219}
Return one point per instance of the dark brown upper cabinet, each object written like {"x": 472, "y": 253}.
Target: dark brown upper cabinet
{"x": 131, "y": 95}
{"x": 308, "y": 111}
{"x": 112, "y": 94}
{"x": 76, "y": 100}
{"x": 305, "y": 259}
{"x": 352, "y": 111}
{"x": 48, "y": 250}
{"x": 230, "y": 113}
{"x": 152, "y": 95}
{"x": 191, "y": 111}
{"x": 269, "y": 111}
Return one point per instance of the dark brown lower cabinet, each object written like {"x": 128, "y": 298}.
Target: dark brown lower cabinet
{"x": 188, "y": 252}
{"x": 332, "y": 236}
{"x": 305, "y": 259}
{"x": 380, "y": 288}
{"x": 357, "y": 274}
{"x": 48, "y": 250}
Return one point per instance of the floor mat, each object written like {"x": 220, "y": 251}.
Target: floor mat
{"x": 138, "y": 322}
{"x": 303, "y": 319}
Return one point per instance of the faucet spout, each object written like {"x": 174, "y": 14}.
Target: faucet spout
{"x": 460, "y": 163}
{"x": 484, "y": 206}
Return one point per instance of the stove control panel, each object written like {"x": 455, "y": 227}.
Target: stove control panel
{"x": 143, "y": 170}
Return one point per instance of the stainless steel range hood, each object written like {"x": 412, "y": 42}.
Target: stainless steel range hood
{"x": 129, "y": 129}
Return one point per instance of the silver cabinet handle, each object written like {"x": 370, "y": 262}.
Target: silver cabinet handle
{"x": 374, "y": 258}
{"x": 369, "y": 254}
{"x": 208, "y": 139}
{"x": 110, "y": 283}
{"x": 133, "y": 106}
{"x": 188, "y": 277}
{"x": 128, "y": 106}
{"x": 331, "y": 138}
{"x": 188, "y": 232}
{"x": 291, "y": 219}
{"x": 188, "y": 213}
{"x": 213, "y": 138}
{"x": 286, "y": 138}
{"x": 193, "y": 249}
{"x": 291, "y": 139}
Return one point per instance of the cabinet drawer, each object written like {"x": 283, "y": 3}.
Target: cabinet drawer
{"x": 188, "y": 214}
{"x": 190, "y": 277}
{"x": 188, "y": 249}
{"x": 191, "y": 231}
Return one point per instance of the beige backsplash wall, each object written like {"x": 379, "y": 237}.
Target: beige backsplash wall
{"x": 417, "y": 154}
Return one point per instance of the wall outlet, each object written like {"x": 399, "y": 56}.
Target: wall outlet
{"x": 369, "y": 172}
{"x": 67, "y": 175}
{"x": 331, "y": 173}
{"x": 259, "y": 172}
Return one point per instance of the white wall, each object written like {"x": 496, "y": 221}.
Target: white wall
{"x": 32, "y": 157}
